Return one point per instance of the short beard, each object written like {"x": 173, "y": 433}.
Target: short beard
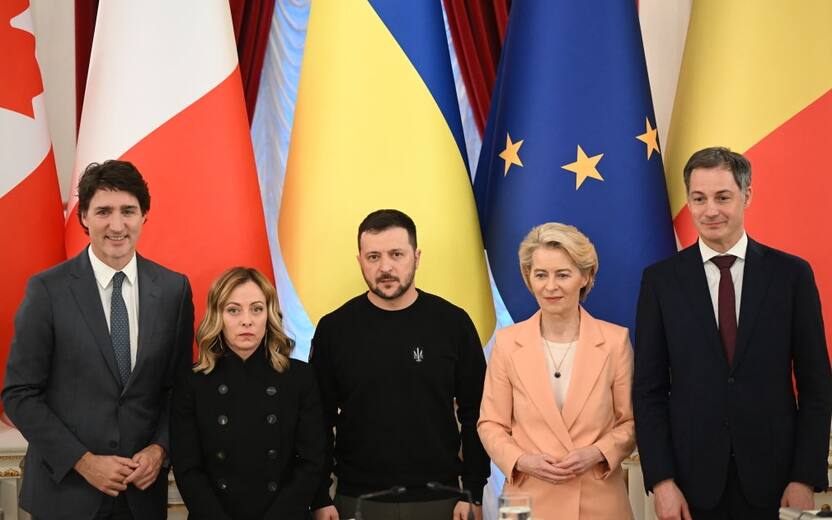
{"x": 403, "y": 288}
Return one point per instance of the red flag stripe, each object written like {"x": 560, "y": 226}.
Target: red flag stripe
{"x": 206, "y": 214}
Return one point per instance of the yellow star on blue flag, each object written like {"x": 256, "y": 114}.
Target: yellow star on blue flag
{"x": 584, "y": 167}
{"x": 592, "y": 92}
{"x": 650, "y": 137}
{"x": 511, "y": 154}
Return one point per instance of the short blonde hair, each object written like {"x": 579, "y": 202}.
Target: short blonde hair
{"x": 554, "y": 235}
{"x": 209, "y": 338}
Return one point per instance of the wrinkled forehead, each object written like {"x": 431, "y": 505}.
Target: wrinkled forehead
{"x": 385, "y": 240}
{"x": 713, "y": 180}
{"x": 109, "y": 194}
{"x": 106, "y": 198}
{"x": 552, "y": 258}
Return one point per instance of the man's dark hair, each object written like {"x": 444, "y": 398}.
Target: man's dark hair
{"x": 383, "y": 219}
{"x": 719, "y": 156}
{"x": 111, "y": 175}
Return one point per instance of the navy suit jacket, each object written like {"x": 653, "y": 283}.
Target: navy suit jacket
{"x": 693, "y": 410}
{"x": 64, "y": 393}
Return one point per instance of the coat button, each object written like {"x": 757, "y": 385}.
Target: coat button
{"x": 730, "y": 380}
{"x": 272, "y": 454}
{"x": 221, "y": 455}
{"x": 222, "y": 420}
{"x": 222, "y": 484}
{"x": 271, "y": 391}
{"x": 272, "y": 487}
{"x": 114, "y": 444}
{"x": 271, "y": 418}
{"x": 222, "y": 389}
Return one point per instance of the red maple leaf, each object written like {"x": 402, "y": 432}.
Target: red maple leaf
{"x": 18, "y": 66}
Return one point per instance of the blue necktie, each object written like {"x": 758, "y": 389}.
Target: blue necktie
{"x": 120, "y": 329}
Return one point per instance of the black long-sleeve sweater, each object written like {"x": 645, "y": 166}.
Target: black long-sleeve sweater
{"x": 396, "y": 376}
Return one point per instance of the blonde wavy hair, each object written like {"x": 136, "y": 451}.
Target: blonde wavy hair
{"x": 209, "y": 334}
{"x": 554, "y": 235}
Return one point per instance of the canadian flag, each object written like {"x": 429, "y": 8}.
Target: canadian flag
{"x": 164, "y": 92}
{"x": 31, "y": 212}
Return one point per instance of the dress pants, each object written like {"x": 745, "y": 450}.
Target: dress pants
{"x": 370, "y": 510}
{"x": 733, "y": 505}
{"x": 114, "y": 509}
{"x": 111, "y": 509}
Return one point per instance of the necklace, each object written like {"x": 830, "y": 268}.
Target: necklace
{"x": 562, "y": 359}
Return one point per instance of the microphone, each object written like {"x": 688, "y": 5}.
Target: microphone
{"x": 436, "y": 486}
{"x": 395, "y": 490}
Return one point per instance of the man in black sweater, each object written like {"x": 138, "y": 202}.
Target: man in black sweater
{"x": 391, "y": 365}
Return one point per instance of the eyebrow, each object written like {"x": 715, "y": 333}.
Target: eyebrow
{"x": 377, "y": 252}
{"x": 125, "y": 206}
{"x": 698, "y": 192}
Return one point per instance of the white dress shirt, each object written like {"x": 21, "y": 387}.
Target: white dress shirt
{"x": 129, "y": 291}
{"x": 712, "y": 272}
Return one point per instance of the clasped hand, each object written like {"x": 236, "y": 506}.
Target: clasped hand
{"x": 550, "y": 469}
{"x": 111, "y": 474}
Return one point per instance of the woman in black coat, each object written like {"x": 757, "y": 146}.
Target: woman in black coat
{"x": 247, "y": 436}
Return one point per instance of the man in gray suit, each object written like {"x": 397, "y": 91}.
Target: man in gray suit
{"x": 98, "y": 341}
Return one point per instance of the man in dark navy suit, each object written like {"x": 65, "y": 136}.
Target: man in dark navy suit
{"x": 724, "y": 328}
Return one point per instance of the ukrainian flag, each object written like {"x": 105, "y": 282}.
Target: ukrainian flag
{"x": 377, "y": 125}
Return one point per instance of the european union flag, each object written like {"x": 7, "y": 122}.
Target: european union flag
{"x": 572, "y": 138}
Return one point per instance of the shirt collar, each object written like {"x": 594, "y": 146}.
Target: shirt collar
{"x": 738, "y": 249}
{"x": 104, "y": 273}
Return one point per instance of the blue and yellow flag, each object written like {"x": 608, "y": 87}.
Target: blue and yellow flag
{"x": 572, "y": 138}
{"x": 376, "y": 126}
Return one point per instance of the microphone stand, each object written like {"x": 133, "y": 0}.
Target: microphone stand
{"x": 797, "y": 514}
{"x": 395, "y": 490}
{"x": 436, "y": 486}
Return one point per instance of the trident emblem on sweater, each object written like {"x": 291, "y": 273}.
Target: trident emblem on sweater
{"x": 418, "y": 355}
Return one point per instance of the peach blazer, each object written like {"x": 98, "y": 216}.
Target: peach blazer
{"x": 519, "y": 415}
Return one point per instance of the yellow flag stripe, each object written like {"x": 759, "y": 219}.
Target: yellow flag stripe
{"x": 368, "y": 135}
{"x": 749, "y": 66}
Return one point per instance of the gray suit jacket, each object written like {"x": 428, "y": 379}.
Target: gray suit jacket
{"x": 63, "y": 390}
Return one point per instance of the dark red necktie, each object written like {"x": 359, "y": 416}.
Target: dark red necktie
{"x": 726, "y": 305}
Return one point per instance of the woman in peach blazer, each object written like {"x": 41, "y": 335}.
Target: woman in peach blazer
{"x": 556, "y": 413}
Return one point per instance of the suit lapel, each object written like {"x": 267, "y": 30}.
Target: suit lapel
{"x": 755, "y": 281}
{"x": 85, "y": 290}
{"x": 149, "y": 292}
{"x": 691, "y": 274}
{"x": 530, "y": 364}
{"x": 590, "y": 358}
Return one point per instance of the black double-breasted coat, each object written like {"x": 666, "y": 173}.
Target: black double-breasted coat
{"x": 247, "y": 442}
